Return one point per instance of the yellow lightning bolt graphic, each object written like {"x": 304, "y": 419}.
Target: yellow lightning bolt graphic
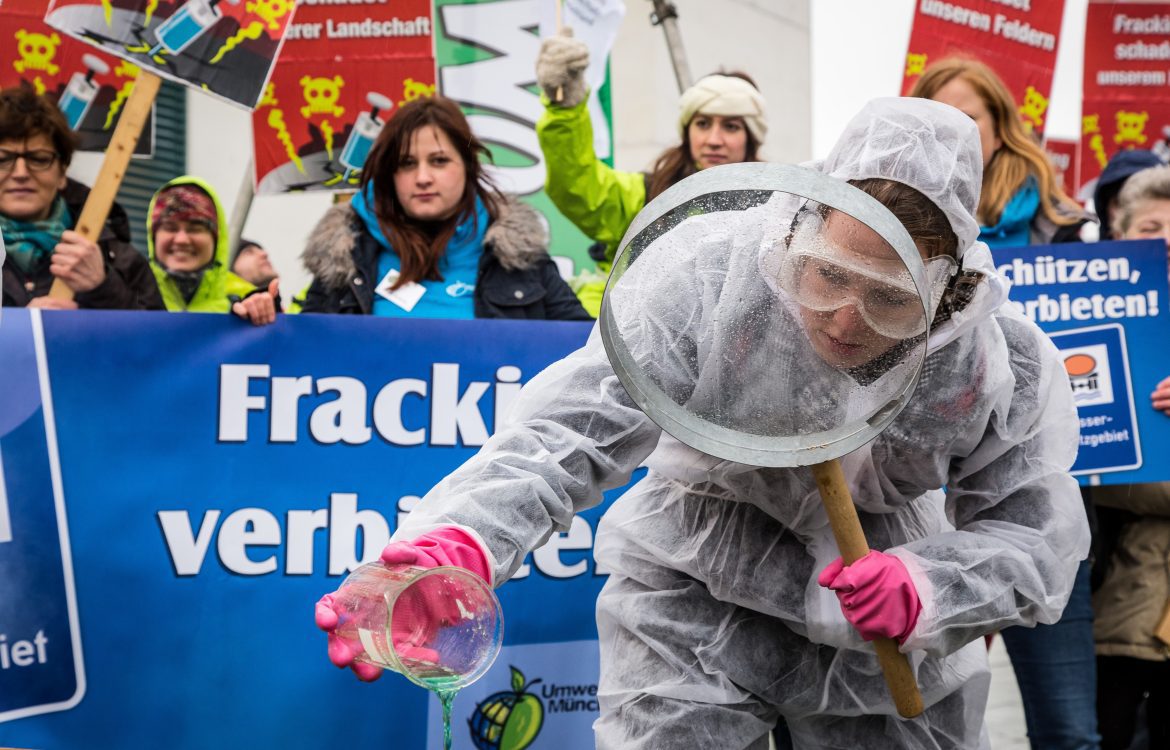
{"x": 123, "y": 94}
{"x": 251, "y": 31}
{"x": 327, "y": 131}
{"x": 39, "y": 85}
{"x": 108, "y": 10}
{"x": 151, "y": 7}
{"x": 276, "y": 122}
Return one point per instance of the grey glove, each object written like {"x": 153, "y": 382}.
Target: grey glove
{"x": 561, "y": 65}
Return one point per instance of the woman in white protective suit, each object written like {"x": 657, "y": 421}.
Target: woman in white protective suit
{"x": 717, "y": 619}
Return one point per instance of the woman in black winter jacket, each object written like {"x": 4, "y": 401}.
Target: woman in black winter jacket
{"x": 428, "y": 236}
{"x": 39, "y": 207}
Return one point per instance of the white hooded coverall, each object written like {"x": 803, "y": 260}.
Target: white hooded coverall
{"x": 712, "y": 625}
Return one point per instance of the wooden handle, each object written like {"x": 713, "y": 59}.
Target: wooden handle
{"x": 851, "y": 542}
{"x": 109, "y": 179}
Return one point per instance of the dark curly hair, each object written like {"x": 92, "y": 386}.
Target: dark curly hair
{"x": 24, "y": 114}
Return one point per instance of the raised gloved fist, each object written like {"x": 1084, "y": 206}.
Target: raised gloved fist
{"x": 561, "y": 65}
{"x": 876, "y": 594}
{"x": 415, "y": 618}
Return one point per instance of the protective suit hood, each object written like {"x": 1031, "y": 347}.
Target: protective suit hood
{"x": 932, "y": 147}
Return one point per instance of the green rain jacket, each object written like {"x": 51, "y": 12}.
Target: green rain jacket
{"x": 219, "y": 287}
{"x": 601, "y": 201}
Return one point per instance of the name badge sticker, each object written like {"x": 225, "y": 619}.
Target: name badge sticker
{"x": 405, "y": 296}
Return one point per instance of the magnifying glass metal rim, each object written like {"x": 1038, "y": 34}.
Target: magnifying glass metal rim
{"x": 723, "y": 442}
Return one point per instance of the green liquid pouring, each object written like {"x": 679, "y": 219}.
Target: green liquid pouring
{"x": 440, "y": 686}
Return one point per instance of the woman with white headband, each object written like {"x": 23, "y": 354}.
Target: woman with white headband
{"x": 722, "y": 120}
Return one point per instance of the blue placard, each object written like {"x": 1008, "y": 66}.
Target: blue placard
{"x": 1097, "y": 363}
{"x": 40, "y": 645}
{"x": 217, "y": 480}
{"x": 1104, "y": 305}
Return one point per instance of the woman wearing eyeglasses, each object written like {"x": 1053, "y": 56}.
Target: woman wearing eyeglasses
{"x": 39, "y": 206}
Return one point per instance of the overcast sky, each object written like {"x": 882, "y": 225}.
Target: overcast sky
{"x": 852, "y": 64}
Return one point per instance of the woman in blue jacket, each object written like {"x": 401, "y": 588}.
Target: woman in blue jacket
{"x": 429, "y": 236}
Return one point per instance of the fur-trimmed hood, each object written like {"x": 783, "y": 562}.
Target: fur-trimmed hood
{"x": 518, "y": 238}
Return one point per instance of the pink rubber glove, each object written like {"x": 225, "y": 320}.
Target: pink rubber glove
{"x": 343, "y": 651}
{"x": 415, "y": 619}
{"x": 446, "y": 545}
{"x": 876, "y": 595}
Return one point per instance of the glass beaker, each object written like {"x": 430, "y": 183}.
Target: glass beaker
{"x": 441, "y": 628}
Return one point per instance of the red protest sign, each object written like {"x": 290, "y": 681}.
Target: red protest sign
{"x": 343, "y": 72}
{"x": 221, "y": 47}
{"x": 1063, "y": 155}
{"x": 1126, "y": 82}
{"x": 1111, "y": 125}
{"x": 1127, "y": 51}
{"x": 90, "y": 87}
{"x": 1016, "y": 38}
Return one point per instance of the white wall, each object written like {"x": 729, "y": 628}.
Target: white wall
{"x": 769, "y": 39}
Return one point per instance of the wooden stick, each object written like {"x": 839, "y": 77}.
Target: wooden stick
{"x": 851, "y": 542}
{"x": 560, "y": 23}
{"x": 113, "y": 170}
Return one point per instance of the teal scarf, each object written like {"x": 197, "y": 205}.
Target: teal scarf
{"x": 1014, "y": 228}
{"x": 31, "y": 243}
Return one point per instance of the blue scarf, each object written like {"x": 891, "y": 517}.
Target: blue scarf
{"x": 1014, "y": 228}
{"x": 31, "y": 243}
{"x": 453, "y": 296}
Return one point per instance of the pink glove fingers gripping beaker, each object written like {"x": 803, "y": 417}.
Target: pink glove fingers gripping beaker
{"x": 441, "y": 627}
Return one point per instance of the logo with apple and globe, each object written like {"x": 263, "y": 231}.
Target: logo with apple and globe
{"x": 508, "y": 720}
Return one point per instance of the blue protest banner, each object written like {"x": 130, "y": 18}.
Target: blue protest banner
{"x": 217, "y": 480}
{"x": 1104, "y": 306}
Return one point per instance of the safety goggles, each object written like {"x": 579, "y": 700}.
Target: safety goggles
{"x": 822, "y": 276}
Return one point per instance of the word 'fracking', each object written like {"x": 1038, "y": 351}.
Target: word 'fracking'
{"x": 446, "y": 414}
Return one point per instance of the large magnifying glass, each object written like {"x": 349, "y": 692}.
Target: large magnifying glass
{"x": 788, "y": 345}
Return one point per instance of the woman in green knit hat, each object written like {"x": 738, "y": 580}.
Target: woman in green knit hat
{"x": 188, "y": 239}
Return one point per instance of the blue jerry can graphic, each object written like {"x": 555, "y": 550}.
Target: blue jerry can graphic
{"x": 41, "y": 668}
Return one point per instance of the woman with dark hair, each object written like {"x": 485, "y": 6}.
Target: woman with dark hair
{"x": 429, "y": 236}
{"x": 38, "y": 208}
{"x": 722, "y": 120}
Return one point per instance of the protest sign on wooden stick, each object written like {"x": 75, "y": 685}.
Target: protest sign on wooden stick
{"x": 113, "y": 170}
